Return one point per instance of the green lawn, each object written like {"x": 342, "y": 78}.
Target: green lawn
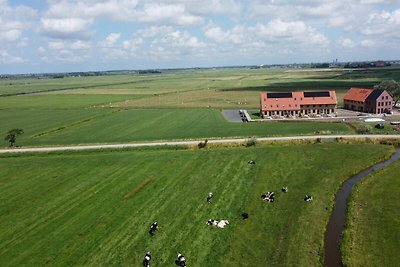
{"x": 372, "y": 236}
{"x": 94, "y": 208}
{"x": 84, "y": 126}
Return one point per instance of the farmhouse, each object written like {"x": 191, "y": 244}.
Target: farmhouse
{"x": 368, "y": 100}
{"x": 298, "y": 104}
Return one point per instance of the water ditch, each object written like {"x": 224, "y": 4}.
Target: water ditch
{"x": 337, "y": 221}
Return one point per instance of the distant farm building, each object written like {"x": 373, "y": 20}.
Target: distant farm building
{"x": 298, "y": 104}
{"x": 368, "y": 100}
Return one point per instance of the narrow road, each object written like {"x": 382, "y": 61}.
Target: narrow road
{"x": 195, "y": 142}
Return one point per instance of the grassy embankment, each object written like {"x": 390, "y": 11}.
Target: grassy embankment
{"x": 94, "y": 208}
{"x": 372, "y": 235}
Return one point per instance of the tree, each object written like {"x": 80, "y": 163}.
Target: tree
{"x": 392, "y": 87}
{"x": 12, "y": 136}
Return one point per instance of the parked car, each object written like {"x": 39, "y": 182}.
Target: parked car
{"x": 379, "y": 126}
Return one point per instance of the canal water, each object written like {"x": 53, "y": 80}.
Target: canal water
{"x": 337, "y": 221}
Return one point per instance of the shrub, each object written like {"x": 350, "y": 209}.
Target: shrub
{"x": 251, "y": 142}
{"x": 202, "y": 144}
{"x": 364, "y": 129}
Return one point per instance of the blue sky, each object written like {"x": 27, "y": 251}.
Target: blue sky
{"x": 68, "y": 35}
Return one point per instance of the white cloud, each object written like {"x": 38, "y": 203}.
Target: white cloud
{"x": 13, "y": 22}
{"x": 10, "y": 35}
{"x": 80, "y": 45}
{"x": 68, "y": 28}
{"x": 368, "y": 43}
{"x": 6, "y": 58}
{"x": 383, "y": 23}
{"x": 132, "y": 44}
{"x": 154, "y": 31}
{"x": 111, "y": 39}
{"x": 347, "y": 43}
{"x": 168, "y": 13}
{"x": 56, "y": 45}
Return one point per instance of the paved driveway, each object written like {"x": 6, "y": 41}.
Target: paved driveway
{"x": 232, "y": 115}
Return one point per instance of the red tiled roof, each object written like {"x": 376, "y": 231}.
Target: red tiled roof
{"x": 296, "y": 101}
{"x": 357, "y": 94}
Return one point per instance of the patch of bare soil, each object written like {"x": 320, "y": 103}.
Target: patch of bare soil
{"x": 137, "y": 188}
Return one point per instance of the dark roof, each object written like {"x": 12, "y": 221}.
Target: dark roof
{"x": 375, "y": 94}
{"x": 317, "y": 94}
{"x": 279, "y": 95}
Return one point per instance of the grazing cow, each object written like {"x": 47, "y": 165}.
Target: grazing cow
{"x": 269, "y": 196}
{"x": 146, "y": 260}
{"x": 219, "y": 224}
{"x": 153, "y": 228}
{"x": 212, "y": 222}
{"x": 245, "y": 215}
{"x": 251, "y": 162}
{"x": 307, "y": 198}
{"x": 222, "y": 223}
{"x": 181, "y": 261}
{"x": 209, "y": 198}
{"x": 284, "y": 189}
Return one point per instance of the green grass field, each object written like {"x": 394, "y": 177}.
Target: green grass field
{"x": 372, "y": 236}
{"x": 74, "y": 126}
{"x": 94, "y": 208}
{"x": 173, "y": 105}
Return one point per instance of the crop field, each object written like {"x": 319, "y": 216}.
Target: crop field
{"x": 173, "y": 105}
{"x": 94, "y": 208}
{"x": 372, "y": 236}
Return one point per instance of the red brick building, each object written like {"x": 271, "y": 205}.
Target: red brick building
{"x": 297, "y": 103}
{"x": 368, "y": 100}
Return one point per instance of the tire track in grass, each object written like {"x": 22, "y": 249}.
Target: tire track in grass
{"x": 48, "y": 222}
{"x": 119, "y": 241}
{"x": 55, "y": 211}
{"x": 168, "y": 238}
{"x": 205, "y": 244}
{"x": 74, "y": 124}
{"x": 116, "y": 196}
{"x": 190, "y": 218}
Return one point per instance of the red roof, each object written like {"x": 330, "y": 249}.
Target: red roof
{"x": 294, "y": 100}
{"x": 357, "y": 94}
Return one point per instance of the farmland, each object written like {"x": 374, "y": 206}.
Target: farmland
{"x": 94, "y": 208}
{"x": 174, "y": 105}
{"x": 372, "y": 236}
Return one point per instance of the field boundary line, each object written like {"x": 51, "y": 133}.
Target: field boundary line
{"x": 195, "y": 142}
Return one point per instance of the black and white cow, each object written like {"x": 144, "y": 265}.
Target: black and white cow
{"x": 146, "y": 260}
{"x": 307, "y": 198}
{"x": 153, "y": 228}
{"x": 284, "y": 189}
{"x": 269, "y": 196}
{"x": 181, "y": 261}
{"x": 210, "y": 196}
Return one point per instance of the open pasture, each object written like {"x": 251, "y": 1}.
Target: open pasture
{"x": 173, "y": 105}
{"x": 372, "y": 235}
{"x": 73, "y": 126}
{"x": 94, "y": 208}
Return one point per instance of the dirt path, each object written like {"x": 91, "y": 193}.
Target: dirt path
{"x": 195, "y": 142}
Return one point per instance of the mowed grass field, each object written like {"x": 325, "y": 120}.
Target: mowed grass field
{"x": 67, "y": 127}
{"x": 94, "y": 208}
{"x": 173, "y": 105}
{"x": 372, "y": 236}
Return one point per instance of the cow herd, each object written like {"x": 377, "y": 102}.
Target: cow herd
{"x": 181, "y": 261}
